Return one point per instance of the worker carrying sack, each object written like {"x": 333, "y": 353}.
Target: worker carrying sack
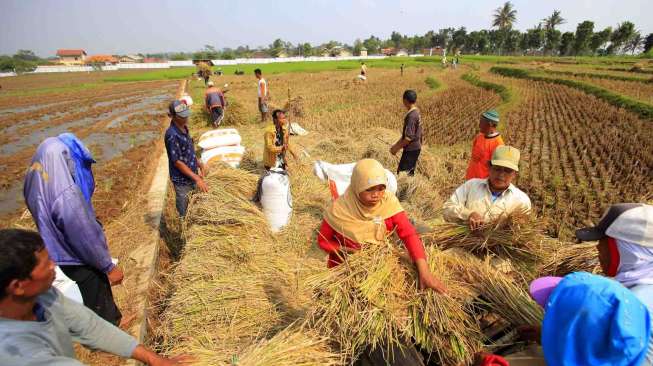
{"x": 338, "y": 176}
{"x": 275, "y": 198}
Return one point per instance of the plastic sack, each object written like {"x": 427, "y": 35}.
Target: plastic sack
{"x": 338, "y": 176}
{"x": 276, "y": 199}
{"x": 220, "y": 137}
{"x": 231, "y": 155}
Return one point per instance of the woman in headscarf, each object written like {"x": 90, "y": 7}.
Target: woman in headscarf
{"x": 365, "y": 214}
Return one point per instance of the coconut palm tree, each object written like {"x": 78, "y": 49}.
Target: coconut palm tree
{"x": 554, "y": 20}
{"x": 504, "y": 16}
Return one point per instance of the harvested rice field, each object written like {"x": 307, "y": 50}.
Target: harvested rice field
{"x": 230, "y": 291}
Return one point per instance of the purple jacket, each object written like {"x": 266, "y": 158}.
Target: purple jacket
{"x": 66, "y": 221}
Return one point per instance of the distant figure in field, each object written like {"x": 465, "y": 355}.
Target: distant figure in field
{"x": 411, "y": 135}
{"x": 186, "y": 170}
{"x": 363, "y": 69}
{"x": 59, "y": 185}
{"x": 263, "y": 94}
{"x": 483, "y": 146}
{"x": 215, "y": 103}
{"x": 402, "y": 69}
{"x": 481, "y": 201}
{"x": 38, "y": 324}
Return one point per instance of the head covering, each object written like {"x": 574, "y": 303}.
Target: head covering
{"x": 631, "y": 222}
{"x": 492, "y": 115}
{"x": 592, "y": 320}
{"x": 83, "y": 175}
{"x": 506, "y": 156}
{"x": 541, "y": 289}
{"x": 635, "y": 264}
{"x": 179, "y": 108}
{"x": 209, "y": 84}
{"x": 357, "y": 222}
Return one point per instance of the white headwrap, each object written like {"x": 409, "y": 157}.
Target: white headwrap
{"x": 635, "y": 264}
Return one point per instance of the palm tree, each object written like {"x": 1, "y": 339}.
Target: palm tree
{"x": 635, "y": 42}
{"x": 504, "y": 16}
{"x": 554, "y": 20}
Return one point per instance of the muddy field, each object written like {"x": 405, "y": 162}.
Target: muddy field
{"x": 120, "y": 123}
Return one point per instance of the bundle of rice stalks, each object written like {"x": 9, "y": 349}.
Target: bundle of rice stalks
{"x": 498, "y": 291}
{"x": 518, "y": 238}
{"x": 372, "y": 301}
{"x": 292, "y": 346}
{"x": 565, "y": 258}
{"x": 235, "y": 114}
{"x": 418, "y": 197}
{"x": 295, "y": 106}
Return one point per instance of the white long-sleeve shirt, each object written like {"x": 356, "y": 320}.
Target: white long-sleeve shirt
{"x": 475, "y": 196}
{"x": 50, "y": 341}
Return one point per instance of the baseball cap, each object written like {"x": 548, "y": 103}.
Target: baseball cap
{"x": 179, "y": 108}
{"x": 210, "y": 83}
{"x": 492, "y": 115}
{"x": 632, "y": 222}
{"x": 506, "y": 156}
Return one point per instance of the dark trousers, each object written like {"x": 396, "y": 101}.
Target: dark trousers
{"x": 216, "y": 116}
{"x": 181, "y": 197}
{"x": 96, "y": 291}
{"x": 408, "y": 161}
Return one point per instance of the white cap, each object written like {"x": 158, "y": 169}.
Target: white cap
{"x": 210, "y": 83}
{"x": 634, "y": 225}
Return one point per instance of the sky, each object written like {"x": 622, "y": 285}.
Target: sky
{"x": 149, "y": 26}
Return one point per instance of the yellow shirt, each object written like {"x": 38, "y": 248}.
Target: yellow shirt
{"x": 475, "y": 196}
{"x": 270, "y": 150}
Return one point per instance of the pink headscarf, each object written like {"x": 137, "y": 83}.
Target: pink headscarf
{"x": 635, "y": 264}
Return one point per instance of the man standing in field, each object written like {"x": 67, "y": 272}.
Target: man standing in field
{"x": 411, "y": 135}
{"x": 182, "y": 162}
{"x": 263, "y": 94}
{"x": 483, "y": 146}
{"x": 58, "y": 188}
{"x": 480, "y": 201}
{"x": 215, "y": 103}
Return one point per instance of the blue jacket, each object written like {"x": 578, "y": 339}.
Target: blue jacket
{"x": 64, "y": 218}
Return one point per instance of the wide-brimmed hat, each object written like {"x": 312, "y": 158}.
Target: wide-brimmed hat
{"x": 492, "y": 115}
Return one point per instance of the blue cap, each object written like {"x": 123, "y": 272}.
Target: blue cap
{"x": 179, "y": 108}
{"x": 593, "y": 320}
{"x": 492, "y": 115}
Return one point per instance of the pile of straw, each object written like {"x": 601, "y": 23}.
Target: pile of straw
{"x": 372, "y": 300}
{"x": 295, "y": 106}
{"x": 564, "y": 259}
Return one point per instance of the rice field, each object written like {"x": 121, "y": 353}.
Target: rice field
{"x": 238, "y": 294}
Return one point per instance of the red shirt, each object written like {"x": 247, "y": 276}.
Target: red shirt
{"x": 330, "y": 240}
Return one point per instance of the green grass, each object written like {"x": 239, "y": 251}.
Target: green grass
{"x": 57, "y": 89}
{"x": 501, "y": 90}
{"x": 589, "y": 60}
{"x": 282, "y": 67}
{"x": 432, "y": 82}
{"x": 644, "y": 110}
{"x": 596, "y": 76}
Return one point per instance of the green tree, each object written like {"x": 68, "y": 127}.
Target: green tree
{"x": 307, "y": 50}
{"x": 635, "y": 42}
{"x": 358, "y": 46}
{"x": 648, "y": 43}
{"x": 534, "y": 39}
{"x": 553, "y": 21}
{"x": 395, "y": 37}
{"x": 621, "y": 36}
{"x": 599, "y": 39}
{"x": 552, "y": 42}
{"x": 373, "y": 44}
{"x": 584, "y": 32}
{"x": 503, "y": 19}
{"x": 458, "y": 38}
{"x": 26, "y": 55}
{"x": 566, "y": 43}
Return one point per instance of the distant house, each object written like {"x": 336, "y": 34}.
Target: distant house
{"x": 71, "y": 57}
{"x": 434, "y": 51}
{"x": 130, "y": 59}
{"x": 363, "y": 52}
{"x": 259, "y": 54}
{"x": 402, "y": 52}
{"x": 390, "y": 51}
{"x": 282, "y": 54}
{"x": 153, "y": 60}
{"x": 339, "y": 51}
{"x": 102, "y": 60}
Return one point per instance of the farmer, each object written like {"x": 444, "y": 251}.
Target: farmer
{"x": 480, "y": 201}
{"x": 625, "y": 247}
{"x": 215, "y": 103}
{"x": 411, "y": 135}
{"x": 592, "y": 320}
{"x": 182, "y": 162}
{"x": 402, "y": 69}
{"x": 363, "y": 69}
{"x": 483, "y": 146}
{"x": 263, "y": 94}
{"x": 38, "y": 323}
{"x": 364, "y": 215}
{"x": 276, "y": 142}
{"x": 58, "y": 188}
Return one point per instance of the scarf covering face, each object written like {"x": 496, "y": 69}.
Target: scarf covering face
{"x": 355, "y": 221}
{"x": 83, "y": 174}
{"x": 635, "y": 264}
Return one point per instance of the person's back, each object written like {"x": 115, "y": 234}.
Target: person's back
{"x": 482, "y": 148}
